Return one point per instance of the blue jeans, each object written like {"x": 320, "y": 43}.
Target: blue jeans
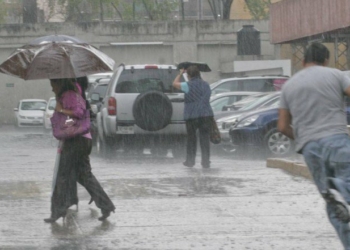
{"x": 330, "y": 157}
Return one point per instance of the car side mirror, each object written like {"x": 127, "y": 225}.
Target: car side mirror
{"x": 94, "y": 108}
{"x": 42, "y": 108}
{"x": 95, "y": 97}
{"x": 15, "y": 109}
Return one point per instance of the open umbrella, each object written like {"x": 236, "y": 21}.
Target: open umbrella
{"x": 203, "y": 67}
{"x": 56, "y": 38}
{"x": 52, "y": 60}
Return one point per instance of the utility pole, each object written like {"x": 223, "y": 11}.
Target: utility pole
{"x": 182, "y": 9}
{"x": 200, "y": 9}
{"x": 101, "y": 11}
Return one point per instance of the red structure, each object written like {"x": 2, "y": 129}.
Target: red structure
{"x": 299, "y": 19}
{"x": 299, "y": 22}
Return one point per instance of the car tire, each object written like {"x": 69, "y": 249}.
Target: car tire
{"x": 159, "y": 146}
{"x": 17, "y": 126}
{"x": 104, "y": 146}
{"x": 277, "y": 144}
{"x": 179, "y": 149}
{"x": 152, "y": 110}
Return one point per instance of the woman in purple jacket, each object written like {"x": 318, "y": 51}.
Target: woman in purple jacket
{"x": 74, "y": 165}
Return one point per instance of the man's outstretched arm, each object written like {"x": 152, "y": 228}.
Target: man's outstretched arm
{"x": 284, "y": 123}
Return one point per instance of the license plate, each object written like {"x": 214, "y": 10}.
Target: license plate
{"x": 125, "y": 130}
{"x": 36, "y": 122}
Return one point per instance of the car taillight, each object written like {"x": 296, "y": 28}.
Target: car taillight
{"x": 112, "y": 106}
{"x": 151, "y": 67}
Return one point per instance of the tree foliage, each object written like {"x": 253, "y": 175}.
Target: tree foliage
{"x": 89, "y": 10}
{"x": 259, "y": 9}
{"x": 3, "y": 11}
{"x": 11, "y": 9}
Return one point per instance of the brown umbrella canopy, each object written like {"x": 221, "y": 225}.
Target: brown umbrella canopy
{"x": 56, "y": 60}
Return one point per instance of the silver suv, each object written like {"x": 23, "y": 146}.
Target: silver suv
{"x": 142, "y": 109}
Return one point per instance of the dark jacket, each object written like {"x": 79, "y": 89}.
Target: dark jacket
{"x": 197, "y": 99}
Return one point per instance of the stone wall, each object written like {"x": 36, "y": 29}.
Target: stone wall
{"x": 171, "y": 42}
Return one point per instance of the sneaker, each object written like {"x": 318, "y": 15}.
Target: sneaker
{"x": 341, "y": 208}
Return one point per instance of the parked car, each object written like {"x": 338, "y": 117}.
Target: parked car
{"x": 226, "y": 122}
{"x": 95, "y": 79}
{"x": 249, "y": 83}
{"x": 258, "y": 130}
{"x": 95, "y": 98}
{"x": 244, "y": 102}
{"x": 262, "y": 101}
{"x": 48, "y": 112}
{"x": 221, "y": 102}
{"x": 141, "y": 108}
{"x": 30, "y": 113}
{"x": 99, "y": 91}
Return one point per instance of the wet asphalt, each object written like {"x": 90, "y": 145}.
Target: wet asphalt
{"x": 238, "y": 203}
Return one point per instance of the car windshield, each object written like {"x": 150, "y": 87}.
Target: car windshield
{"x": 255, "y": 84}
{"x": 33, "y": 105}
{"x": 248, "y": 100}
{"x": 141, "y": 80}
{"x": 101, "y": 90}
{"x": 258, "y": 102}
{"x": 219, "y": 103}
{"x": 52, "y": 104}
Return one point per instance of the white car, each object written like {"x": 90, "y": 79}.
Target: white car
{"x": 249, "y": 83}
{"x": 30, "y": 113}
{"x": 50, "y": 108}
{"x": 142, "y": 109}
{"x": 221, "y": 102}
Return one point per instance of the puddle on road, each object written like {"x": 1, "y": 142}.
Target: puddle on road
{"x": 169, "y": 187}
{"x": 19, "y": 190}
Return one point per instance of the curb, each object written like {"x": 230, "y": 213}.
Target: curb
{"x": 293, "y": 167}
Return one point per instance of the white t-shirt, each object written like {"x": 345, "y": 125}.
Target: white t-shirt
{"x": 315, "y": 98}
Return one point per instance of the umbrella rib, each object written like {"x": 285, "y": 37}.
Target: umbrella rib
{"x": 71, "y": 62}
{"x": 98, "y": 52}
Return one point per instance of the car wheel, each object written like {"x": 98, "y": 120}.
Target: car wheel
{"x": 152, "y": 110}
{"x": 98, "y": 145}
{"x": 17, "y": 124}
{"x": 104, "y": 146}
{"x": 277, "y": 144}
{"x": 179, "y": 149}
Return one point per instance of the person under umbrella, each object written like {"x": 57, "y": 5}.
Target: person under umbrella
{"x": 198, "y": 114}
{"x": 74, "y": 164}
{"x": 59, "y": 58}
{"x": 45, "y": 59}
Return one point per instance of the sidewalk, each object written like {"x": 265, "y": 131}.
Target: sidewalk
{"x": 294, "y": 167}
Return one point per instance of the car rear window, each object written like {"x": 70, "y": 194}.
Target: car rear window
{"x": 141, "y": 80}
{"x": 101, "y": 90}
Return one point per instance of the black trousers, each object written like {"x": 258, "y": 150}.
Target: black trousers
{"x": 202, "y": 124}
{"x": 75, "y": 167}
